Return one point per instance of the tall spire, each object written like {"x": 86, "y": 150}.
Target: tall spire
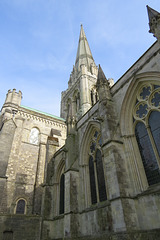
{"x": 84, "y": 55}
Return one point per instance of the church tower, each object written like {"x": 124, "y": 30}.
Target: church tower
{"x": 81, "y": 93}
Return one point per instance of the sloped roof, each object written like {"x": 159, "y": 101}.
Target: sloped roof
{"x": 44, "y": 113}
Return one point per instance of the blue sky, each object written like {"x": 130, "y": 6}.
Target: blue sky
{"x": 39, "y": 39}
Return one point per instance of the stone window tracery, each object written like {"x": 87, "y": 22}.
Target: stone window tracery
{"x": 96, "y": 172}
{"x": 146, "y": 119}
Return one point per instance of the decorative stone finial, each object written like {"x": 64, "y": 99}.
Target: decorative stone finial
{"x": 154, "y": 22}
{"x": 102, "y": 85}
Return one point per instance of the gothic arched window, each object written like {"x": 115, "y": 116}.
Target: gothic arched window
{"x": 69, "y": 108}
{"x": 94, "y": 96}
{"x": 146, "y": 117}
{"x": 34, "y": 136}
{"x": 96, "y": 172}
{"x": 78, "y": 102}
{"x": 92, "y": 100}
{"x": 62, "y": 194}
{"x": 20, "y": 207}
{"x": 92, "y": 181}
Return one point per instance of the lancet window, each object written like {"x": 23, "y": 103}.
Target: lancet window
{"x": 146, "y": 118}
{"x": 94, "y": 96}
{"x": 69, "y": 108}
{"x": 34, "y": 136}
{"x": 96, "y": 171}
{"x": 20, "y": 207}
{"x": 76, "y": 101}
{"x": 62, "y": 194}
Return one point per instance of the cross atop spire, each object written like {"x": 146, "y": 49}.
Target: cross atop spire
{"x": 84, "y": 55}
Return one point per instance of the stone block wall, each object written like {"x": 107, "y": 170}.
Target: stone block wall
{"x": 22, "y": 227}
{"x": 25, "y": 168}
{"x": 6, "y": 137}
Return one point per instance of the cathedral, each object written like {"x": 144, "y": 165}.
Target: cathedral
{"x": 94, "y": 172}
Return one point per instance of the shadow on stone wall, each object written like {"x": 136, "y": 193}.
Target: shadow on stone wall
{"x": 21, "y": 226}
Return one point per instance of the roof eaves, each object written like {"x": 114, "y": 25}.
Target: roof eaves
{"x": 44, "y": 113}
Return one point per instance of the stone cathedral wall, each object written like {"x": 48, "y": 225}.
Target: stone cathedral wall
{"x": 24, "y": 170}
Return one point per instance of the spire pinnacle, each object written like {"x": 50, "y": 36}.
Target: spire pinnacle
{"x": 101, "y": 76}
{"x": 102, "y": 86}
{"x": 154, "y": 22}
{"x": 152, "y": 13}
{"x": 84, "y": 55}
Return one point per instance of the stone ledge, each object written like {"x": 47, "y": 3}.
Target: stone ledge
{"x": 133, "y": 235}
